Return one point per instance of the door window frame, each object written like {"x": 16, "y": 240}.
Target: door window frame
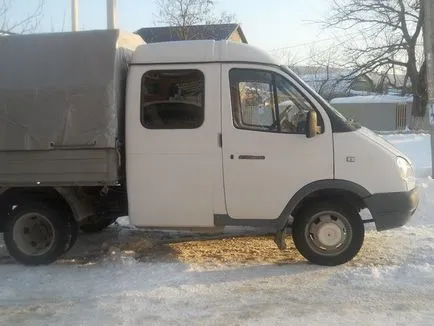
{"x": 276, "y": 112}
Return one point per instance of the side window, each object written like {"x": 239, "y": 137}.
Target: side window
{"x": 266, "y": 101}
{"x": 253, "y": 100}
{"x": 172, "y": 99}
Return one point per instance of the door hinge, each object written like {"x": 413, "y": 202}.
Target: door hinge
{"x": 220, "y": 140}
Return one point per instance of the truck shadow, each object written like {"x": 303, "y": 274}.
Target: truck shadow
{"x": 228, "y": 248}
{"x": 245, "y": 248}
{"x": 217, "y": 258}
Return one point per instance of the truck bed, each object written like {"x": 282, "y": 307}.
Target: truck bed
{"x": 62, "y": 107}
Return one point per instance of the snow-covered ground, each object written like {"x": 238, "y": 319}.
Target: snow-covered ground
{"x": 391, "y": 281}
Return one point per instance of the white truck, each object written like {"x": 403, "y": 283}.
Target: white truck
{"x": 195, "y": 134}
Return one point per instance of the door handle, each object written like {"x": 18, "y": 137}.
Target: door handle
{"x": 251, "y": 157}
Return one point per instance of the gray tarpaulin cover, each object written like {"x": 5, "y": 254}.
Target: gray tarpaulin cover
{"x": 63, "y": 90}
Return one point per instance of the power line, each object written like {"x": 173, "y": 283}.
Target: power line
{"x": 419, "y": 44}
{"x": 349, "y": 37}
{"x": 316, "y": 41}
{"x": 301, "y": 44}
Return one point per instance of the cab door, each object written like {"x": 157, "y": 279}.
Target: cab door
{"x": 266, "y": 156}
{"x": 174, "y": 169}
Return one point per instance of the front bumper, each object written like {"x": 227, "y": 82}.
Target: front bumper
{"x": 392, "y": 210}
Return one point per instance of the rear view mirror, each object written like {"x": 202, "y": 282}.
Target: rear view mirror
{"x": 311, "y": 124}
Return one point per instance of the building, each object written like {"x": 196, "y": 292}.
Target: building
{"x": 218, "y": 32}
{"x": 377, "y": 112}
{"x": 333, "y": 82}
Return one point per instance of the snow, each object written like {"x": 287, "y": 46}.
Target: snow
{"x": 371, "y": 99}
{"x": 390, "y": 282}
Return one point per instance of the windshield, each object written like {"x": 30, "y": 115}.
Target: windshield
{"x": 338, "y": 120}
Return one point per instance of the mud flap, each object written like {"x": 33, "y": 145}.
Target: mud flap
{"x": 280, "y": 236}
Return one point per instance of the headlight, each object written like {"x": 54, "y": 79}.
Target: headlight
{"x": 405, "y": 169}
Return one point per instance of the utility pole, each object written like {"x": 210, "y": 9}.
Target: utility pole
{"x": 74, "y": 17}
{"x": 112, "y": 14}
{"x": 428, "y": 34}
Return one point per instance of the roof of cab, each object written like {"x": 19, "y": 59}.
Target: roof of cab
{"x": 200, "y": 52}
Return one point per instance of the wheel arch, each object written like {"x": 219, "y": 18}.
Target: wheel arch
{"x": 69, "y": 197}
{"x": 353, "y": 193}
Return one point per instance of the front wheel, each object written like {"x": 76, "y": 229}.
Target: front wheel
{"x": 328, "y": 233}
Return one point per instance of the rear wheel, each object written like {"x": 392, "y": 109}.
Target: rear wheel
{"x": 36, "y": 234}
{"x": 5, "y": 209}
{"x": 328, "y": 233}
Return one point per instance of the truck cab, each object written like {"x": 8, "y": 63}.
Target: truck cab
{"x": 219, "y": 134}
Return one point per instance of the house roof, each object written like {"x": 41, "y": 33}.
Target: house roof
{"x": 217, "y": 32}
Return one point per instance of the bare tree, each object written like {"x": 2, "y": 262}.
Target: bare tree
{"x": 286, "y": 57}
{"x": 325, "y": 73}
{"x": 186, "y": 13}
{"x": 19, "y": 26}
{"x": 390, "y": 37}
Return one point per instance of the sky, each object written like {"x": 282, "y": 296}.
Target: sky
{"x": 286, "y": 25}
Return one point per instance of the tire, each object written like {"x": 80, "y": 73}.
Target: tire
{"x": 328, "y": 233}
{"x": 73, "y": 230}
{"x": 36, "y": 234}
{"x": 98, "y": 225}
{"x": 5, "y": 210}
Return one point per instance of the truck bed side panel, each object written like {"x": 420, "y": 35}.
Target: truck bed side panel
{"x": 79, "y": 167}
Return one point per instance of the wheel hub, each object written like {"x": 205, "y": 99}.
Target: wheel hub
{"x": 38, "y": 233}
{"x": 327, "y": 233}
{"x": 330, "y": 234}
{"x": 33, "y": 234}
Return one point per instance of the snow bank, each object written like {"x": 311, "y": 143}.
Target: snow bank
{"x": 424, "y": 216}
{"x": 417, "y": 147}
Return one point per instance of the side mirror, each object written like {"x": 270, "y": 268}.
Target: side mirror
{"x": 311, "y": 124}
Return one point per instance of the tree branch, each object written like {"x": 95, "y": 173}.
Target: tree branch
{"x": 389, "y": 33}
{"x": 25, "y": 25}
{"x": 186, "y": 13}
